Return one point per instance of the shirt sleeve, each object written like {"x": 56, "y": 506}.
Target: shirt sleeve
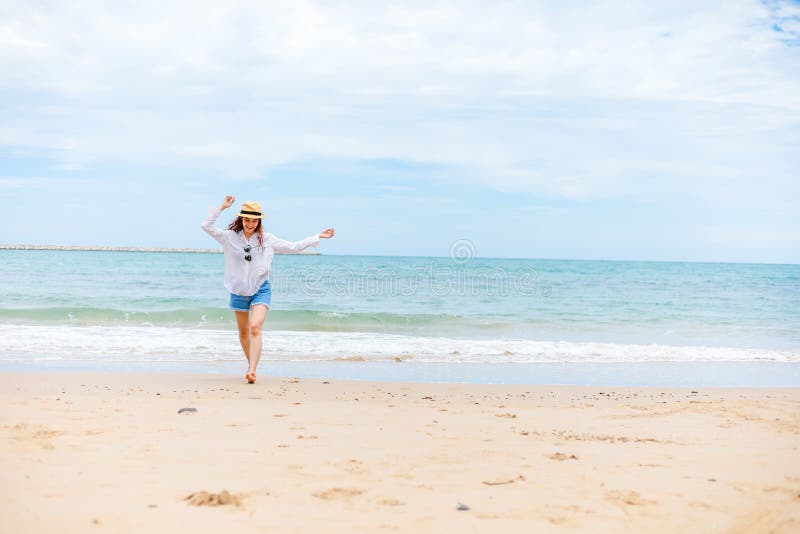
{"x": 281, "y": 246}
{"x": 212, "y": 230}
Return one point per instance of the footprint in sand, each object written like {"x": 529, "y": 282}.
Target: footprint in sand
{"x": 204, "y": 498}
{"x": 355, "y": 466}
{"x": 630, "y": 498}
{"x": 560, "y": 456}
{"x": 788, "y": 491}
{"x": 40, "y": 435}
{"x": 338, "y": 494}
{"x": 45, "y": 434}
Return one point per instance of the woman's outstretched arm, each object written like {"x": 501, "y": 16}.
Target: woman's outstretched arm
{"x": 209, "y": 227}
{"x": 282, "y": 246}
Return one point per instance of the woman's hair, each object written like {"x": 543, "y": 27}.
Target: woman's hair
{"x": 238, "y": 226}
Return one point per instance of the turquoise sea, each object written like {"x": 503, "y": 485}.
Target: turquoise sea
{"x": 457, "y": 317}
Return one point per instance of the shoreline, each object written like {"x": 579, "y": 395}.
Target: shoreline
{"x": 82, "y": 450}
{"x": 755, "y": 375}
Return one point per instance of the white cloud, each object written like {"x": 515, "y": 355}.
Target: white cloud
{"x": 580, "y": 101}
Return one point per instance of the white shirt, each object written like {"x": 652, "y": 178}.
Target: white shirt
{"x": 244, "y": 277}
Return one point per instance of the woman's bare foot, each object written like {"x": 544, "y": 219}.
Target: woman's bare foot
{"x": 251, "y": 378}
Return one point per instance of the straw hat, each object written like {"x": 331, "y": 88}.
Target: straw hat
{"x": 251, "y": 210}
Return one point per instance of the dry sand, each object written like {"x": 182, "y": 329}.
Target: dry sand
{"x": 85, "y": 452}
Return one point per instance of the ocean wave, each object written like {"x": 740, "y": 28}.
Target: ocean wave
{"x": 158, "y": 343}
{"x": 300, "y": 320}
{"x": 558, "y": 326}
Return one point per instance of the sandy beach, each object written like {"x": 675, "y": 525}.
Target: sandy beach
{"x": 110, "y": 452}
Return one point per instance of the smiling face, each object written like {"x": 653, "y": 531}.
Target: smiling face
{"x": 249, "y": 224}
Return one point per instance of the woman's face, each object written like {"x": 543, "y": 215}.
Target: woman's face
{"x": 249, "y": 224}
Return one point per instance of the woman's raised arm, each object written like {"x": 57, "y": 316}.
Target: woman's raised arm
{"x": 209, "y": 227}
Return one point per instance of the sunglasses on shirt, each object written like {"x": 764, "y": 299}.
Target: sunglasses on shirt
{"x": 247, "y": 256}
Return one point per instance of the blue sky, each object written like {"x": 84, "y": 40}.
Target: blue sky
{"x": 534, "y": 129}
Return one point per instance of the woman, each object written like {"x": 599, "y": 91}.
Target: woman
{"x": 248, "y": 258}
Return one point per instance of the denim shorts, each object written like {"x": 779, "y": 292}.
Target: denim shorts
{"x": 262, "y": 296}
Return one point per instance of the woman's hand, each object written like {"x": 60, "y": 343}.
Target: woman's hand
{"x": 326, "y": 234}
{"x": 228, "y": 202}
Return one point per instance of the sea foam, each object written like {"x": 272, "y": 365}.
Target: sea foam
{"x": 155, "y": 343}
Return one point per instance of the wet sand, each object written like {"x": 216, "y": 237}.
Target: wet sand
{"x": 109, "y": 452}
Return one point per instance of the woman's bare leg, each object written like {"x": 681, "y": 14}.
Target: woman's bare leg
{"x": 243, "y": 323}
{"x": 257, "y": 315}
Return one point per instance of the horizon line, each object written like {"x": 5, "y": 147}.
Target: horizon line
{"x": 193, "y": 250}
